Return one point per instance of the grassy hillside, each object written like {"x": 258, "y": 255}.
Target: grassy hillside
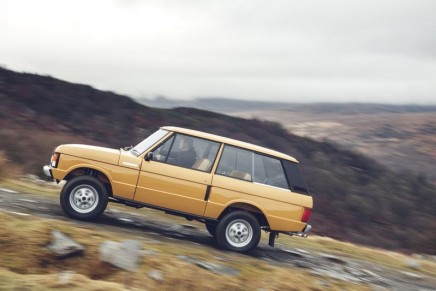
{"x": 356, "y": 199}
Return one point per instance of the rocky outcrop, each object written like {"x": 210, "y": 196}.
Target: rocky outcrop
{"x": 63, "y": 246}
{"x": 124, "y": 255}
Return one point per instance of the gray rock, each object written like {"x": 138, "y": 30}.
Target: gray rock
{"x": 411, "y": 275}
{"x": 213, "y": 267}
{"x": 302, "y": 251}
{"x": 355, "y": 272}
{"x": 336, "y": 275}
{"x": 304, "y": 264}
{"x": 322, "y": 283}
{"x": 63, "y": 246}
{"x": 127, "y": 220}
{"x": 187, "y": 259}
{"x": 124, "y": 255}
{"x": 294, "y": 253}
{"x": 217, "y": 268}
{"x": 66, "y": 277}
{"x": 156, "y": 275}
{"x": 413, "y": 264}
{"x": 333, "y": 259}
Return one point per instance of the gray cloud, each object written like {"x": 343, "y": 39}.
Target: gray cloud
{"x": 367, "y": 51}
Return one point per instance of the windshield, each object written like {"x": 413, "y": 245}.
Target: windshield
{"x": 148, "y": 142}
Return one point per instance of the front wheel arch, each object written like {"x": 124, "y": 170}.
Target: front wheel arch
{"x": 85, "y": 171}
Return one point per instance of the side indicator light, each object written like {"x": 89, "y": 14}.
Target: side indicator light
{"x": 54, "y": 160}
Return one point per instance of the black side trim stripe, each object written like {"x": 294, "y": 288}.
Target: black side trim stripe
{"x": 206, "y": 197}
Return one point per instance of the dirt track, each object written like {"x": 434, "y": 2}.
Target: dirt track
{"x": 165, "y": 228}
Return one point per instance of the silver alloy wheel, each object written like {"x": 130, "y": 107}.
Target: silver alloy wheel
{"x": 239, "y": 233}
{"x": 84, "y": 199}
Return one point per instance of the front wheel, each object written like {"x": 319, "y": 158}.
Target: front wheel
{"x": 238, "y": 231}
{"x": 84, "y": 198}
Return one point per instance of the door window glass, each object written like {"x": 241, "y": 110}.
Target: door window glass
{"x": 236, "y": 163}
{"x": 188, "y": 152}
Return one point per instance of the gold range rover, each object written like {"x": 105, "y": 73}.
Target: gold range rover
{"x": 235, "y": 188}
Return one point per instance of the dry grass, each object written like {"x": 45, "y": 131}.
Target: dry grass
{"x": 7, "y": 168}
{"x": 23, "y": 240}
{"x": 14, "y": 281}
{"x": 20, "y": 185}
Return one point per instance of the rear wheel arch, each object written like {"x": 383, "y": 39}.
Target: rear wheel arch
{"x": 252, "y": 209}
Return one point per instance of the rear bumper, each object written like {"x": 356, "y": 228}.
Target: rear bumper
{"x": 275, "y": 234}
{"x": 303, "y": 233}
{"x": 47, "y": 171}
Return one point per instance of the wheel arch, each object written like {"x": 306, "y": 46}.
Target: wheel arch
{"x": 249, "y": 207}
{"x": 98, "y": 173}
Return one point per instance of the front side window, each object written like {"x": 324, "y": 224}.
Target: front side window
{"x": 250, "y": 166}
{"x": 188, "y": 152}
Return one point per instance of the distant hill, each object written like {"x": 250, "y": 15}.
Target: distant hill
{"x": 225, "y": 105}
{"x": 220, "y": 105}
{"x": 356, "y": 198}
{"x": 400, "y": 137}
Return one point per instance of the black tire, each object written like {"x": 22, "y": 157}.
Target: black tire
{"x": 211, "y": 227}
{"x": 84, "y": 198}
{"x": 238, "y": 231}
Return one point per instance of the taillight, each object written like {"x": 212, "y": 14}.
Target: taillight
{"x": 306, "y": 215}
{"x": 54, "y": 160}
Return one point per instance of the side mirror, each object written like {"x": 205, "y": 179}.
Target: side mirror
{"x": 149, "y": 156}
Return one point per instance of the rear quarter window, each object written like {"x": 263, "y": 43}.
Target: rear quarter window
{"x": 250, "y": 166}
{"x": 295, "y": 177}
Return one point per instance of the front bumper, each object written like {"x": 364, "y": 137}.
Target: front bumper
{"x": 47, "y": 171}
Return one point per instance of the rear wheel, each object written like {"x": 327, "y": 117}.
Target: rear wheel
{"x": 84, "y": 198}
{"x": 238, "y": 231}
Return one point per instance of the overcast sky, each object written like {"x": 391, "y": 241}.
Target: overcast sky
{"x": 297, "y": 51}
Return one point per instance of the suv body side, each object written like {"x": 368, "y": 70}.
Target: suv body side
{"x": 205, "y": 190}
